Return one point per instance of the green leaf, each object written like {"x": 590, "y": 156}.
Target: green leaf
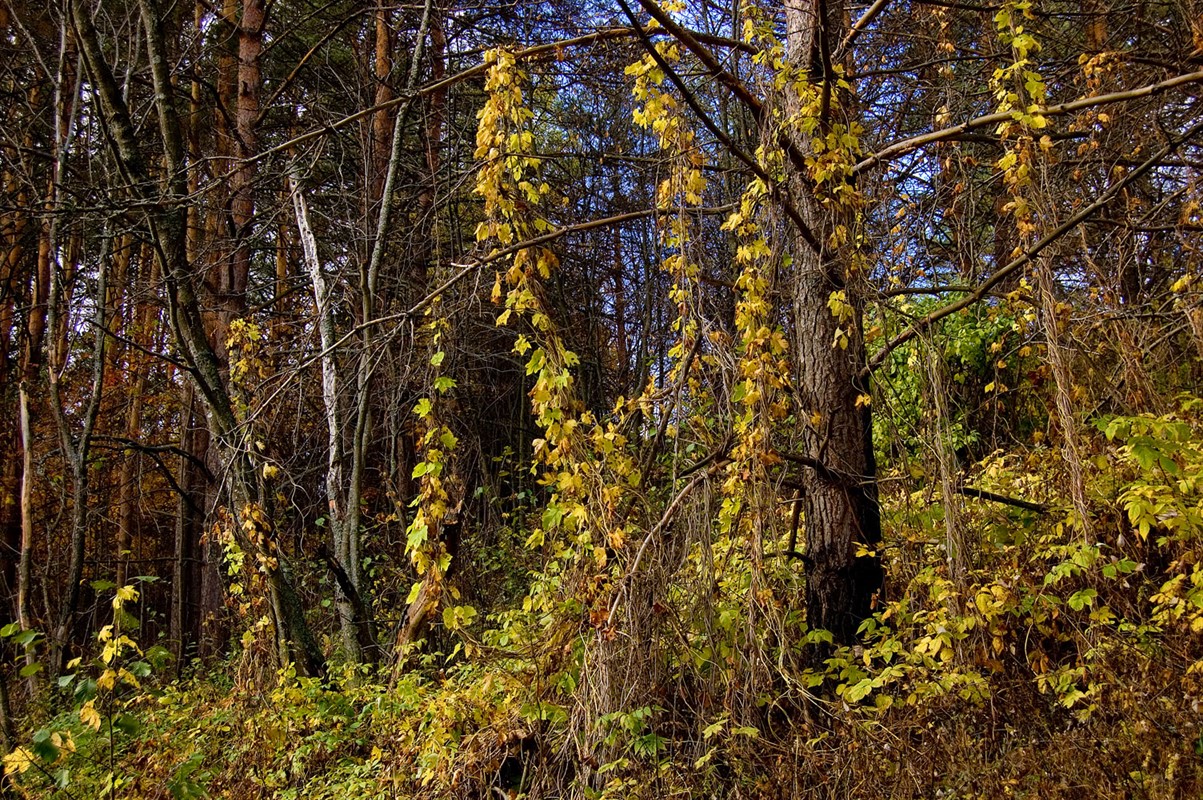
{"x": 547, "y": 712}
{"x": 859, "y": 691}
{"x": 536, "y": 361}
{"x": 1083, "y": 598}
{"x": 102, "y": 585}
{"x": 25, "y": 637}
{"x": 416, "y": 536}
{"x": 158, "y": 656}
{"x": 181, "y": 785}
{"x": 85, "y": 690}
{"x": 30, "y": 670}
{"x": 552, "y": 516}
{"x": 42, "y": 747}
{"x": 127, "y": 723}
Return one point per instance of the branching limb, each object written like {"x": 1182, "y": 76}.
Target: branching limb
{"x": 984, "y": 288}
{"x": 790, "y": 210}
{"x": 957, "y": 131}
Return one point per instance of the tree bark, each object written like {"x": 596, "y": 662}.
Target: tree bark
{"x": 357, "y": 630}
{"x": 77, "y": 451}
{"x": 25, "y": 564}
{"x": 168, "y": 228}
{"x": 841, "y": 514}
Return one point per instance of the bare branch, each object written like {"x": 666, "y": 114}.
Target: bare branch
{"x": 984, "y": 288}
{"x": 955, "y": 132}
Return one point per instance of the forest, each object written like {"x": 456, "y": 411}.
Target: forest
{"x": 601, "y": 399}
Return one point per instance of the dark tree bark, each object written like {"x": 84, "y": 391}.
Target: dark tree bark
{"x": 167, "y": 224}
{"x": 841, "y": 511}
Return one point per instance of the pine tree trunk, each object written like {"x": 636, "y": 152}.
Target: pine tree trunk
{"x": 841, "y": 513}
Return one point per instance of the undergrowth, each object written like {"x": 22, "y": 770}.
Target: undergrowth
{"x": 1058, "y": 667}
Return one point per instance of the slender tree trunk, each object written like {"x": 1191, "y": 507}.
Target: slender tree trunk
{"x": 8, "y": 732}
{"x": 168, "y": 228}
{"x": 242, "y": 201}
{"x": 77, "y": 451}
{"x": 348, "y": 600}
{"x": 129, "y": 474}
{"x": 183, "y": 519}
{"x": 382, "y": 127}
{"x": 25, "y": 565}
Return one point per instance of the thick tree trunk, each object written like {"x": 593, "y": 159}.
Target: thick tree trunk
{"x": 841, "y": 513}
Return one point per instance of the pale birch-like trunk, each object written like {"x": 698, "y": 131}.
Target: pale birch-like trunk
{"x": 348, "y": 599}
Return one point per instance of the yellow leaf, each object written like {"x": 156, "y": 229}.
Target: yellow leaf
{"x": 18, "y": 761}
{"x": 89, "y": 716}
{"x": 125, "y": 594}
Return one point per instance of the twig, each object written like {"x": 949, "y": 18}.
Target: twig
{"x": 982, "y": 494}
{"x": 858, "y": 27}
{"x": 665, "y": 519}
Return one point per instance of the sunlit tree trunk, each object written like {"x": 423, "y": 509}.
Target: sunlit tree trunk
{"x": 242, "y": 188}
{"x": 25, "y": 562}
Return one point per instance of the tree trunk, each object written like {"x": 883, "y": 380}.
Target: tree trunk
{"x": 25, "y": 565}
{"x": 168, "y": 228}
{"x": 840, "y": 506}
{"x": 77, "y": 451}
{"x": 129, "y": 473}
{"x": 357, "y": 631}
